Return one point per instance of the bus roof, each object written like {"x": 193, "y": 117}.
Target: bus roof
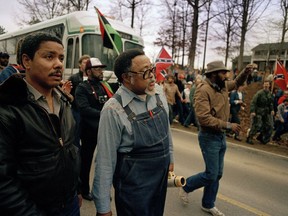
{"x": 88, "y": 20}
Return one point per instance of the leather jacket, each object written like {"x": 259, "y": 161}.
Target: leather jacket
{"x": 39, "y": 164}
{"x": 76, "y": 79}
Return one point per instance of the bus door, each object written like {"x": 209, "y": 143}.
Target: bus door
{"x": 72, "y": 56}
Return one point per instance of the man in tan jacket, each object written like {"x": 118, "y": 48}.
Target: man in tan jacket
{"x": 212, "y": 110}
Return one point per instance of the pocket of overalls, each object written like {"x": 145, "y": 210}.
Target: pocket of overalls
{"x": 150, "y": 131}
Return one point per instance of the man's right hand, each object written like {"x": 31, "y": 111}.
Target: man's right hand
{"x": 235, "y": 127}
{"x": 104, "y": 214}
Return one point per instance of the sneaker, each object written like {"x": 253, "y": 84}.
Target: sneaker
{"x": 213, "y": 211}
{"x": 183, "y": 195}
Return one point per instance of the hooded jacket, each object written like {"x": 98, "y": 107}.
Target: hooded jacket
{"x": 39, "y": 163}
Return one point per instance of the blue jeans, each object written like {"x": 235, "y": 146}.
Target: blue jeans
{"x": 213, "y": 147}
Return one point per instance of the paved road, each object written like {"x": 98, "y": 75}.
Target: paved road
{"x": 254, "y": 182}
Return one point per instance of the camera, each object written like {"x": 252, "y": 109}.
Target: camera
{"x": 103, "y": 99}
{"x": 175, "y": 181}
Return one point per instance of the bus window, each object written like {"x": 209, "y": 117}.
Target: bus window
{"x": 77, "y": 55}
{"x": 128, "y": 45}
{"x": 69, "y": 55}
{"x": 11, "y": 44}
{"x": 92, "y": 45}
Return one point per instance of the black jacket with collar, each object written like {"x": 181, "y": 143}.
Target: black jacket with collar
{"x": 90, "y": 97}
{"x": 39, "y": 164}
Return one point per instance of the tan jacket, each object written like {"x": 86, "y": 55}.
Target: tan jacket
{"x": 212, "y": 106}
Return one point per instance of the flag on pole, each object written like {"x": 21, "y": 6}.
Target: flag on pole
{"x": 163, "y": 61}
{"x": 281, "y": 76}
{"x": 111, "y": 38}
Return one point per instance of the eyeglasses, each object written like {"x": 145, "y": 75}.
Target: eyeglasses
{"x": 146, "y": 74}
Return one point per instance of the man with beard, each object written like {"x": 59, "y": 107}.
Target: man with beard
{"x": 91, "y": 95}
{"x": 212, "y": 110}
{"x": 135, "y": 148}
{"x": 261, "y": 113}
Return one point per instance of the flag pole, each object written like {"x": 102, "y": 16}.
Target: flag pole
{"x": 275, "y": 69}
{"x": 115, "y": 47}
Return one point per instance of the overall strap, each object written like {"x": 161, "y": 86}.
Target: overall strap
{"x": 159, "y": 102}
{"x": 131, "y": 115}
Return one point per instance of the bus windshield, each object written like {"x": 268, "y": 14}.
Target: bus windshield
{"x": 92, "y": 45}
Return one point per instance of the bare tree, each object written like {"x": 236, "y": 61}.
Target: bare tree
{"x": 2, "y": 30}
{"x": 184, "y": 19}
{"x": 249, "y": 12}
{"x": 284, "y": 8}
{"x": 226, "y": 28}
{"x": 196, "y": 6}
{"x": 174, "y": 34}
{"x": 144, "y": 9}
{"x": 132, "y": 4}
{"x": 40, "y": 10}
{"x": 208, "y": 8}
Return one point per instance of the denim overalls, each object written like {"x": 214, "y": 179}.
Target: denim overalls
{"x": 140, "y": 178}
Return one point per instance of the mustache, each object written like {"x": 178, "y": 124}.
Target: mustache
{"x": 56, "y": 72}
{"x": 152, "y": 80}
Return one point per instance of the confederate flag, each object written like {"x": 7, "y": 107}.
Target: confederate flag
{"x": 163, "y": 61}
{"x": 281, "y": 76}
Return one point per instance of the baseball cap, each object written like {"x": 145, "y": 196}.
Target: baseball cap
{"x": 93, "y": 63}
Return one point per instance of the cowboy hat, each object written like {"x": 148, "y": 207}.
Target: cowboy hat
{"x": 216, "y": 66}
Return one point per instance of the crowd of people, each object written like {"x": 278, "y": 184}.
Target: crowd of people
{"x": 50, "y": 130}
{"x": 268, "y": 108}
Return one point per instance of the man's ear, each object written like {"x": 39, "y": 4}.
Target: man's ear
{"x": 26, "y": 61}
{"x": 126, "y": 78}
{"x": 88, "y": 72}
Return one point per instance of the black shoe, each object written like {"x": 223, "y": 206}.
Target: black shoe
{"x": 276, "y": 139}
{"x": 249, "y": 141}
{"x": 87, "y": 196}
{"x": 260, "y": 138}
{"x": 238, "y": 138}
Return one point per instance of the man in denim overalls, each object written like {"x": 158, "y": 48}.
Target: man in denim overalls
{"x": 135, "y": 149}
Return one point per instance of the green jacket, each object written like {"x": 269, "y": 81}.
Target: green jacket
{"x": 262, "y": 103}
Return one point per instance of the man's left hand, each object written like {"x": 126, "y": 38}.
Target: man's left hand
{"x": 171, "y": 167}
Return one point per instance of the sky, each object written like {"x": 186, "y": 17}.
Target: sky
{"x": 8, "y": 20}
{"x": 260, "y": 34}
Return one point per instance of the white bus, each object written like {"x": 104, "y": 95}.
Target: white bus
{"x": 80, "y": 34}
